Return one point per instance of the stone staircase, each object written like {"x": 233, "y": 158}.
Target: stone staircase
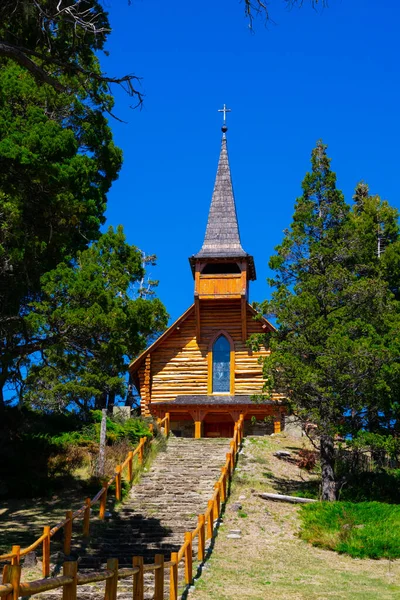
{"x": 153, "y": 519}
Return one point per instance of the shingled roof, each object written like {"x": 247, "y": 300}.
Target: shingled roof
{"x": 222, "y": 239}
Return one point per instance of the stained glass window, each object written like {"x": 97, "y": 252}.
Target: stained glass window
{"x": 221, "y": 365}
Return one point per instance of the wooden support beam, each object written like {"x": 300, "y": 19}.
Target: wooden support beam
{"x": 198, "y": 319}
{"x": 68, "y": 533}
{"x": 197, "y": 429}
{"x": 112, "y": 583}
{"x": 173, "y": 577}
{"x": 138, "y": 584}
{"x": 70, "y": 569}
{"x": 243, "y": 307}
{"x": 159, "y": 577}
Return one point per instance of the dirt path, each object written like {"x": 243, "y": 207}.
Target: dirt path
{"x": 269, "y": 560}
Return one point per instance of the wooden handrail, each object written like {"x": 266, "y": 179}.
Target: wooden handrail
{"x": 83, "y": 510}
{"x": 71, "y": 579}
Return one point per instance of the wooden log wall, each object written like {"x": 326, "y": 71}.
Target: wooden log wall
{"x": 179, "y": 365}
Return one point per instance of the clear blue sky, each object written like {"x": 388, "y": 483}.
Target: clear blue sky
{"x": 332, "y": 74}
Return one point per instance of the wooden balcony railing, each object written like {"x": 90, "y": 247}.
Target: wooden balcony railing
{"x": 12, "y": 588}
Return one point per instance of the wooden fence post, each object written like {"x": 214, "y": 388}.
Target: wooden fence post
{"x": 118, "y": 488}
{"x": 202, "y": 538}
{"x": 233, "y": 451}
{"x": 151, "y": 428}
{"x": 68, "y": 533}
{"x": 210, "y": 520}
{"x": 223, "y": 484}
{"x": 103, "y": 501}
{"x": 228, "y": 459}
{"x": 217, "y": 501}
{"x": 167, "y": 425}
{"x": 138, "y": 586}
{"x": 112, "y": 583}
{"x": 46, "y": 551}
{"x": 141, "y": 451}
{"x": 5, "y": 577}
{"x": 70, "y": 568}
{"x": 189, "y": 558}
{"x": 130, "y": 467}
{"x": 277, "y": 424}
{"x": 159, "y": 577}
{"x": 173, "y": 577}
{"x": 86, "y": 518}
{"x": 17, "y": 551}
{"x": 14, "y": 579}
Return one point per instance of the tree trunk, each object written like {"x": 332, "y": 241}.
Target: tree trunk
{"x": 102, "y": 447}
{"x": 111, "y": 401}
{"x": 328, "y": 468}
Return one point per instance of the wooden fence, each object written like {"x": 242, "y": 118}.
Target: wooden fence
{"x": 12, "y": 588}
{"x": 84, "y": 511}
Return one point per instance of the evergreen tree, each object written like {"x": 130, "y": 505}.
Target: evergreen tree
{"x": 377, "y": 244}
{"x": 57, "y": 163}
{"x": 93, "y": 318}
{"x": 58, "y": 43}
{"x": 334, "y": 339}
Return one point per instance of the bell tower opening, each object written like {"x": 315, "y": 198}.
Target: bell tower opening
{"x": 226, "y": 268}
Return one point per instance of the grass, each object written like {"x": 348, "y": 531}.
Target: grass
{"x": 271, "y": 561}
{"x": 364, "y": 530}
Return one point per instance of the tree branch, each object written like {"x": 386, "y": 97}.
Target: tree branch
{"x": 22, "y": 59}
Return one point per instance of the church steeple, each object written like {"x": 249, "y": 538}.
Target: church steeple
{"x": 222, "y": 269}
{"x": 222, "y": 238}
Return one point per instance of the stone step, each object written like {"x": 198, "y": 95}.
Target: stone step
{"x": 155, "y": 515}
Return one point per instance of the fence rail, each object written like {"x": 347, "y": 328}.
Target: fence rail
{"x": 84, "y": 511}
{"x": 12, "y": 588}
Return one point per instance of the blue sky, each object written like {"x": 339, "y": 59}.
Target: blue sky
{"x": 330, "y": 74}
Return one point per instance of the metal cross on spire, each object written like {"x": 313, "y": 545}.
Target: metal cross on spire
{"x": 224, "y": 110}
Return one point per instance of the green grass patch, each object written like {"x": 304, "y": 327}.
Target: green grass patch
{"x": 364, "y": 530}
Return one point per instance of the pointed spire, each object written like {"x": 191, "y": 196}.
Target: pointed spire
{"x": 222, "y": 237}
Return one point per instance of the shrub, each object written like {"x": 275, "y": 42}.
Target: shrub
{"x": 67, "y": 460}
{"x": 381, "y": 486}
{"x": 52, "y": 446}
{"x": 307, "y": 459}
{"x": 364, "y": 530}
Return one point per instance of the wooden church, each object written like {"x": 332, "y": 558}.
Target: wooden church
{"x": 200, "y": 370}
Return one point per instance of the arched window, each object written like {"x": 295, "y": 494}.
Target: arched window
{"x": 221, "y": 365}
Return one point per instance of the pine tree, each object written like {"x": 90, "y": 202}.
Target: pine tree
{"x": 377, "y": 244}
{"x": 333, "y": 321}
{"x": 93, "y": 319}
{"x": 57, "y": 163}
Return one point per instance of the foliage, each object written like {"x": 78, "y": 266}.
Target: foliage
{"x": 57, "y": 163}
{"x": 47, "y": 448}
{"x": 57, "y": 42}
{"x": 334, "y": 354}
{"x": 369, "y": 441}
{"x": 97, "y": 323}
{"x": 380, "y": 486}
{"x": 364, "y": 530}
{"x": 130, "y": 429}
